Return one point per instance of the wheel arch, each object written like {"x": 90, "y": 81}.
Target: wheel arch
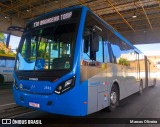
{"x": 111, "y": 108}
{"x": 116, "y": 83}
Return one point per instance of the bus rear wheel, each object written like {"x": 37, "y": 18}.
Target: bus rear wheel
{"x": 114, "y": 98}
{"x": 1, "y": 79}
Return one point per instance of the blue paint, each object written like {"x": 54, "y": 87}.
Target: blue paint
{"x": 82, "y": 88}
{"x": 69, "y": 103}
{"x": 66, "y": 104}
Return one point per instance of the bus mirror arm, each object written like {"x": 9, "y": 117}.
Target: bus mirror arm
{"x": 93, "y": 55}
{"x": 86, "y": 44}
{"x": 15, "y": 28}
{"x": 94, "y": 42}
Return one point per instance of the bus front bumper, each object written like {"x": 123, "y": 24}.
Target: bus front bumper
{"x": 66, "y": 104}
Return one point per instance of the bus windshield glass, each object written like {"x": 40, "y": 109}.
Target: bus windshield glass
{"x": 49, "y": 44}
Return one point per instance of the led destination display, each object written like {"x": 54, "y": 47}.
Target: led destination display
{"x": 57, "y": 18}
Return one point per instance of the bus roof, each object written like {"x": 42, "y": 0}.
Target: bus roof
{"x": 104, "y": 23}
{"x": 54, "y": 11}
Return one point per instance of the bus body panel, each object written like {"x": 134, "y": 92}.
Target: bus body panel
{"x": 66, "y": 104}
{"x": 73, "y": 103}
{"x": 100, "y": 81}
{"x": 7, "y": 74}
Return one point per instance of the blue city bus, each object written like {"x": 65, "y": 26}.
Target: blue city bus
{"x": 71, "y": 62}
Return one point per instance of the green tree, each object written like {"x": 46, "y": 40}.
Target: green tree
{"x": 2, "y": 37}
{"x": 123, "y": 61}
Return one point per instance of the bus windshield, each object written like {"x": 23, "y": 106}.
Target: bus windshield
{"x": 48, "y": 47}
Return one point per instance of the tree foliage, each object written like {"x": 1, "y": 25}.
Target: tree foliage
{"x": 2, "y": 37}
{"x": 3, "y": 49}
{"x": 123, "y": 61}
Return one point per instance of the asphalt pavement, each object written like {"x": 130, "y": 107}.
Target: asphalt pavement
{"x": 6, "y": 94}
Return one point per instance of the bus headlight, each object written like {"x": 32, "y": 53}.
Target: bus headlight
{"x": 65, "y": 86}
{"x": 15, "y": 85}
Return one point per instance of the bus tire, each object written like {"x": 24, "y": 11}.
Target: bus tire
{"x": 141, "y": 87}
{"x": 114, "y": 98}
{"x": 1, "y": 79}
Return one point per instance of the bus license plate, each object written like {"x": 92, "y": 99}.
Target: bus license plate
{"x": 32, "y": 104}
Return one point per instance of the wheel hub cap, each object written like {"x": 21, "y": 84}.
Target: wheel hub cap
{"x": 113, "y": 97}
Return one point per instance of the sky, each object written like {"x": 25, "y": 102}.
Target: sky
{"x": 147, "y": 49}
{"x": 14, "y": 42}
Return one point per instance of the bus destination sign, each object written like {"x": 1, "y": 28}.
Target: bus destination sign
{"x": 57, "y": 18}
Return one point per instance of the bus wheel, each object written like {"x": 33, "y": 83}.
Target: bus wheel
{"x": 1, "y": 79}
{"x": 114, "y": 98}
{"x": 141, "y": 87}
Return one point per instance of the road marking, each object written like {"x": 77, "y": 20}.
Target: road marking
{"x": 7, "y": 104}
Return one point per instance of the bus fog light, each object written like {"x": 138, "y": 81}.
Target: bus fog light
{"x": 59, "y": 88}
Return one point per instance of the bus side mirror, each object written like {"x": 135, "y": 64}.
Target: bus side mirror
{"x": 95, "y": 43}
{"x": 94, "y": 46}
{"x": 86, "y": 37}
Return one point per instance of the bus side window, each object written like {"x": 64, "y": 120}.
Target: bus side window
{"x": 93, "y": 45}
{"x": 106, "y": 52}
{"x": 86, "y": 50}
{"x": 99, "y": 53}
{"x": 2, "y": 63}
{"x": 111, "y": 54}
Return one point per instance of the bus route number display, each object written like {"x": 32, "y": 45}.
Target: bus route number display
{"x": 53, "y": 19}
